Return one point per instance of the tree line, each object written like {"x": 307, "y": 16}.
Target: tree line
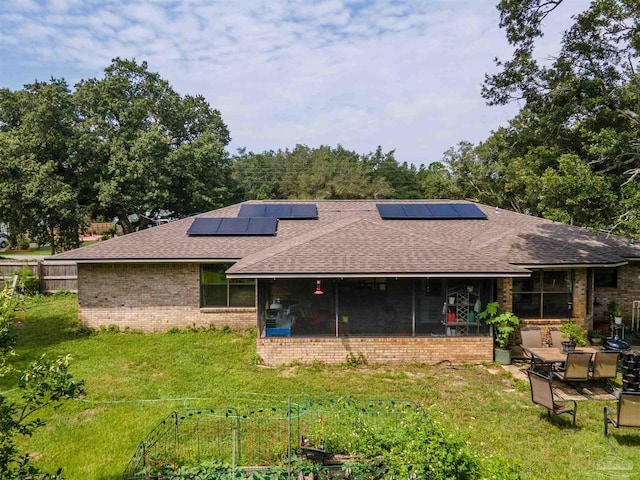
{"x": 128, "y": 146}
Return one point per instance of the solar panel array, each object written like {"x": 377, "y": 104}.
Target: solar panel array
{"x": 232, "y": 226}
{"x": 427, "y": 211}
{"x": 282, "y": 211}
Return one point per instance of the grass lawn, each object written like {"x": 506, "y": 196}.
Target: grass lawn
{"x": 134, "y": 380}
{"x": 46, "y": 250}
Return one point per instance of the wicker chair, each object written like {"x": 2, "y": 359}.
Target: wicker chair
{"x": 542, "y": 395}
{"x": 627, "y": 414}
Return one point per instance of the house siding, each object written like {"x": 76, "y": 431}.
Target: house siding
{"x": 283, "y": 351}
{"x": 149, "y": 298}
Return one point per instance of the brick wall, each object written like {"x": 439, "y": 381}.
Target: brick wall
{"x": 150, "y": 297}
{"x": 398, "y": 350}
{"x": 627, "y": 291}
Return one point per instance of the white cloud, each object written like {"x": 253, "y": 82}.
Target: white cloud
{"x": 404, "y": 74}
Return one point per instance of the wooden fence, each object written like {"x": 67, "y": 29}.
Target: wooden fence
{"x": 53, "y": 276}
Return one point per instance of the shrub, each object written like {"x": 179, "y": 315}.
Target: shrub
{"x": 28, "y": 283}
{"x": 354, "y": 360}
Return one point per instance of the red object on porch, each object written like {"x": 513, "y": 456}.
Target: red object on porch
{"x": 451, "y": 317}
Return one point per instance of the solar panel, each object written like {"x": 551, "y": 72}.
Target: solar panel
{"x": 429, "y": 211}
{"x": 391, "y": 210}
{"x": 252, "y": 210}
{"x": 232, "y": 226}
{"x": 415, "y": 210}
{"x": 468, "y": 210}
{"x": 282, "y": 211}
{"x": 237, "y": 226}
{"x": 442, "y": 210}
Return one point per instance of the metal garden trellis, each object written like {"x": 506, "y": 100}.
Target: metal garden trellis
{"x": 250, "y": 439}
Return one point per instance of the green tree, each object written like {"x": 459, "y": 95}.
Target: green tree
{"x": 436, "y": 181}
{"x": 146, "y": 149}
{"x": 574, "y": 194}
{"x": 37, "y": 175}
{"x": 305, "y": 173}
{"x": 402, "y": 178}
{"x": 580, "y": 108}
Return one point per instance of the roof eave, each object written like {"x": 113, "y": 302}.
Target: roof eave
{"x": 574, "y": 265}
{"x": 382, "y": 275}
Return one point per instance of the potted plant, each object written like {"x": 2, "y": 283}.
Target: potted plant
{"x": 575, "y": 336}
{"x": 504, "y": 325}
{"x": 614, "y": 312}
{"x": 595, "y": 337}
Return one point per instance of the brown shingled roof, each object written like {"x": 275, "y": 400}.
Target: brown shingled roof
{"x": 350, "y": 238}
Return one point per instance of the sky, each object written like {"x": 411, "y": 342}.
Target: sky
{"x": 405, "y": 75}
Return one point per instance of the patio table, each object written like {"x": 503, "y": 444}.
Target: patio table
{"x": 556, "y": 355}
{"x": 586, "y": 391}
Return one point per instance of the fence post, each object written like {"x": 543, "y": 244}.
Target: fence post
{"x": 38, "y": 272}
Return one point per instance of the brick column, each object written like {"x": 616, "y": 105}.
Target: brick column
{"x": 579, "y": 299}
{"x": 505, "y": 294}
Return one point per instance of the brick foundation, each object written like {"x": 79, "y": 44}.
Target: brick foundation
{"x": 283, "y": 351}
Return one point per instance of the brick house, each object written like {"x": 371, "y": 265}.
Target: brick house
{"x": 395, "y": 281}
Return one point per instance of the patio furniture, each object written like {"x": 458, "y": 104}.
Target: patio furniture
{"x": 576, "y": 368}
{"x": 556, "y": 338}
{"x": 531, "y": 338}
{"x": 542, "y": 395}
{"x": 627, "y": 414}
{"x": 605, "y": 367}
{"x": 556, "y": 355}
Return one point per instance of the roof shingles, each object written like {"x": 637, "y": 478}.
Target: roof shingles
{"x": 349, "y": 237}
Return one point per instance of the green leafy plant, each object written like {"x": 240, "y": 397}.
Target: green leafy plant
{"x": 613, "y": 310}
{"x": 504, "y": 323}
{"x": 45, "y": 382}
{"x": 574, "y": 333}
{"x": 28, "y": 283}
{"x": 355, "y": 360}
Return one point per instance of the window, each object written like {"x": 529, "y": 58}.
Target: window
{"x": 216, "y": 290}
{"x": 605, "y": 277}
{"x": 546, "y": 294}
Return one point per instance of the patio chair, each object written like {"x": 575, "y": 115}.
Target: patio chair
{"x": 576, "y": 368}
{"x": 531, "y": 338}
{"x": 605, "y": 367}
{"x": 627, "y": 414}
{"x": 542, "y": 395}
{"x": 556, "y": 338}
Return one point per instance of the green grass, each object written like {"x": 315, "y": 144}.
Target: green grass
{"x": 134, "y": 380}
{"x": 45, "y": 250}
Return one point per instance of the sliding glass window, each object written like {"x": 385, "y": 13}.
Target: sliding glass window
{"x": 216, "y": 290}
{"x": 546, "y": 294}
